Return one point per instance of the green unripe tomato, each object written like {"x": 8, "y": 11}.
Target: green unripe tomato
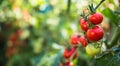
{"x": 92, "y": 49}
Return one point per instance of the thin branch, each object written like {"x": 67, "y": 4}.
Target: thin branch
{"x": 104, "y": 53}
{"x": 95, "y": 7}
{"x": 99, "y": 4}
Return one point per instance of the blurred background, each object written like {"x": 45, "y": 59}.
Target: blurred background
{"x": 35, "y": 32}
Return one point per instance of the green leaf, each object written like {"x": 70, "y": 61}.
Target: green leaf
{"x": 109, "y": 59}
{"x": 109, "y": 14}
{"x": 104, "y": 60}
{"x": 116, "y": 59}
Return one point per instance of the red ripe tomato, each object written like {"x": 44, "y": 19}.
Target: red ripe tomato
{"x": 83, "y": 41}
{"x": 68, "y": 53}
{"x": 74, "y": 39}
{"x": 95, "y": 34}
{"x": 84, "y": 25}
{"x": 96, "y": 18}
{"x": 69, "y": 64}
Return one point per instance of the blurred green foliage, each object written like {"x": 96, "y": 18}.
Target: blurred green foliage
{"x": 35, "y": 32}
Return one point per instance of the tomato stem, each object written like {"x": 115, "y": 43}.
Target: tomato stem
{"x": 92, "y": 9}
{"x": 99, "y": 4}
{"x": 103, "y": 54}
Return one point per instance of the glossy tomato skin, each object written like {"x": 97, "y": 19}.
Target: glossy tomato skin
{"x": 84, "y": 24}
{"x": 74, "y": 39}
{"x": 96, "y": 18}
{"x": 83, "y": 41}
{"x": 95, "y": 34}
{"x": 68, "y": 53}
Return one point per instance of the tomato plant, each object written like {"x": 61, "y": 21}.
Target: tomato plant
{"x": 56, "y": 32}
{"x": 91, "y": 39}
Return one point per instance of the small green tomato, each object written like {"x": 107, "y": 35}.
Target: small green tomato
{"x": 92, "y": 49}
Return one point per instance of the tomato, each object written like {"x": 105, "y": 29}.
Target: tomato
{"x": 68, "y": 53}
{"x": 83, "y": 41}
{"x": 69, "y": 64}
{"x": 96, "y": 18}
{"x": 84, "y": 25}
{"x": 74, "y": 39}
{"x": 95, "y": 34}
{"x": 92, "y": 50}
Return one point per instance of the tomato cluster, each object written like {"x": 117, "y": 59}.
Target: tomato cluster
{"x": 93, "y": 33}
{"x": 91, "y": 26}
